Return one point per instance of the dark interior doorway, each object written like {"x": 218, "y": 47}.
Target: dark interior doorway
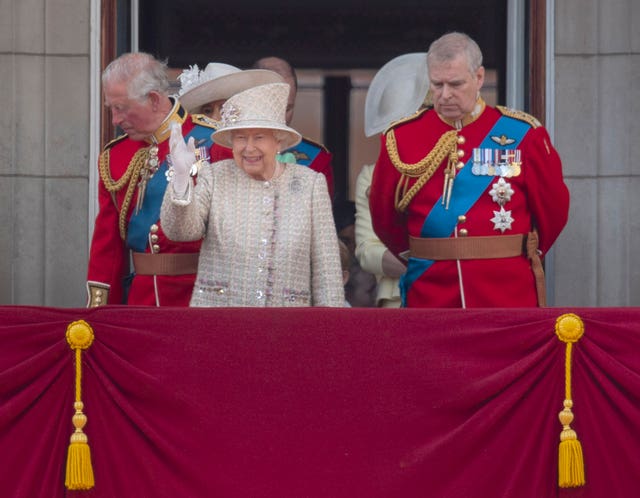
{"x": 315, "y": 34}
{"x": 332, "y": 36}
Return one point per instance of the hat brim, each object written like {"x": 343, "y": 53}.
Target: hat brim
{"x": 396, "y": 91}
{"x": 223, "y": 135}
{"x": 226, "y": 86}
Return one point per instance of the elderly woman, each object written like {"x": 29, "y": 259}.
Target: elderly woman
{"x": 269, "y": 236}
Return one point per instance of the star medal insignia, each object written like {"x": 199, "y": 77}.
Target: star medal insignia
{"x": 502, "y": 220}
{"x": 501, "y": 192}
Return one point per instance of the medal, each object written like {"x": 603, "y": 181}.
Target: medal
{"x": 146, "y": 173}
{"x": 502, "y": 220}
{"x": 496, "y": 162}
{"x": 501, "y": 192}
{"x": 516, "y": 163}
{"x": 477, "y": 162}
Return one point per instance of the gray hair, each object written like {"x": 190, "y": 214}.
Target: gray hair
{"x": 449, "y": 46}
{"x": 142, "y": 73}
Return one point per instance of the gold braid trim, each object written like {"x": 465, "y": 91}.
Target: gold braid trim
{"x": 425, "y": 168}
{"x": 130, "y": 175}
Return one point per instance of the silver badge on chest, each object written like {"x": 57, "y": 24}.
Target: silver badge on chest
{"x": 501, "y": 193}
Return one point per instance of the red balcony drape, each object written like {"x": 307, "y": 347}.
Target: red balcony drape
{"x": 311, "y": 403}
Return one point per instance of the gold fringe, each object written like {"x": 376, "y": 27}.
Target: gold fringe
{"x": 79, "y": 472}
{"x": 569, "y": 329}
{"x": 424, "y": 169}
{"x": 131, "y": 175}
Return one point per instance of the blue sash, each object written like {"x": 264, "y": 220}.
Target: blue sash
{"x": 140, "y": 223}
{"x": 467, "y": 189}
{"x": 304, "y": 153}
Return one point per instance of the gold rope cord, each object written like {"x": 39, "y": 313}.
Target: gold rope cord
{"x": 131, "y": 175}
{"x": 569, "y": 329}
{"x": 425, "y": 168}
{"x": 79, "y": 469}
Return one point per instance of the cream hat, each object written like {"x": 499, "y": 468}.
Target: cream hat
{"x": 218, "y": 81}
{"x": 397, "y": 90}
{"x": 262, "y": 106}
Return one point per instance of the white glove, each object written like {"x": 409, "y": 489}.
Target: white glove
{"x": 183, "y": 156}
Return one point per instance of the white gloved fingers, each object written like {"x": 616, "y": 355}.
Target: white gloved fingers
{"x": 191, "y": 146}
{"x": 182, "y": 155}
{"x": 182, "y": 158}
{"x": 176, "y": 141}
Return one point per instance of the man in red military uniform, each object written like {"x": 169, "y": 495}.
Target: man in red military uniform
{"x": 132, "y": 184}
{"x": 307, "y": 153}
{"x": 473, "y": 195}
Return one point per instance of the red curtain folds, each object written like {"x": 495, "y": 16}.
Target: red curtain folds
{"x": 191, "y": 403}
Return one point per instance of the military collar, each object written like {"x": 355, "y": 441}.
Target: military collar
{"x": 177, "y": 115}
{"x": 469, "y": 118}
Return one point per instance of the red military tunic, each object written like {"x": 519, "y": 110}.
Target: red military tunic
{"x": 114, "y": 239}
{"x": 538, "y": 198}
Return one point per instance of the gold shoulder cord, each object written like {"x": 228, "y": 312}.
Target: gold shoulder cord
{"x": 424, "y": 169}
{"x": 130, "y": 175}
{"x": 521, "y": 115}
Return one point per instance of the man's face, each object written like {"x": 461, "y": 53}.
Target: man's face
{"x": 454, "y": 87}
{"x": 135, "y": 117}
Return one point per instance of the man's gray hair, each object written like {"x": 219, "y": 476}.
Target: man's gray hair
{"x": 449, "y": 46}
{"x": 142, "y": 73}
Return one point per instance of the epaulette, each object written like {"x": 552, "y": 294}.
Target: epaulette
{"x": 521, "y": 115}
{"x": 313, "y": 142}
{"x": 408, "y": 118}
{"x": 204, "y": 120}
{"x": 115, "y": 141}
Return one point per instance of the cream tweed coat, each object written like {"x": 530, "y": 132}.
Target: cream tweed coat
{"x": 266, "y": 243}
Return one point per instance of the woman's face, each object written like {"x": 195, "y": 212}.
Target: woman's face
{"x": 213, "y": 109}
{"x": 254, "y": 151}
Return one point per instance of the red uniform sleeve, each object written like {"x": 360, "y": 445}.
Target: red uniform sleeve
{"x": 220, "y": 153}
{"x": 547, "y": 194}
{"x": 108, "y": 256}
{"x": 322, "y": 164}
{"x": 389, "y": 225}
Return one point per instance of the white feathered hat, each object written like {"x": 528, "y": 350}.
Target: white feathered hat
{"x": 218, "y": 81}
{"x": 397, "y": 90}
{"x": 262, "y": 106}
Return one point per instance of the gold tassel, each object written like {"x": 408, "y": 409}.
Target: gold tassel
{"x": 569, "y": 329}
{"x": 79, "y": 474}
